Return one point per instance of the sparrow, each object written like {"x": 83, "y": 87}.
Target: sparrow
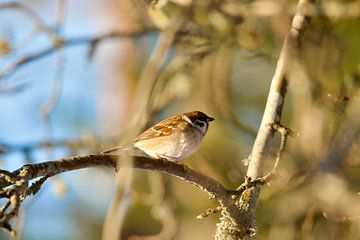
{"x": 174, "y": 138}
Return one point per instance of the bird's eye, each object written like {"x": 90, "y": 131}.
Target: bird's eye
{"x": 199, "y": 123}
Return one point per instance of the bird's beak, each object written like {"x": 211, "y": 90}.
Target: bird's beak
{"x": 209, "y": 119}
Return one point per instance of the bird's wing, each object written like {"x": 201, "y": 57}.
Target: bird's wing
{"x": 164, "y": 128}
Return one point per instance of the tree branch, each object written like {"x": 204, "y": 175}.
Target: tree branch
{"x": 94, "y": 41}
{"x": 272, "y": 112}
{"x": 39, "y": 24}
{"x": 278, "y": 88}
{"x": 16, "y": 187}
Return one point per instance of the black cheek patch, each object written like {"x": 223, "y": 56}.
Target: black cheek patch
{"x": 200, "y": 123}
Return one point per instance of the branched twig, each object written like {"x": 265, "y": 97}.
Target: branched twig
{"x": 348, "y": 132}
{"x": 72, "y": 144}
{"x": 249, "y": 183}
{"x": 8, "y": 176}
{"x": 39, "y": 24}
{"x": 35, "y": 187}
{"x": 209, "y": 212}
{"x": 341, "y": 219}
{"x": 60, "y": 13}
{"x": 278, "y": 88}
{"x": 15, "y": 185}
{"x": 19, "y": 185}
{"x": 273, "y": 110}
{"x": 69, "y": 42}
{"x": 284, "y": 133}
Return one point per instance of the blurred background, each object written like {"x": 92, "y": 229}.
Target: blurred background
{"x": 71, "y": 84}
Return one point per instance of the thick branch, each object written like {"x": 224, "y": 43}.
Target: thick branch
{"x": 51, "y": 168}
{"x": 278, "y": 88}
{"x": 274, "y": 105}
{"x": 16, "y": 184}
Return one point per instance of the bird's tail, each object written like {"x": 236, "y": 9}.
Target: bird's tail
{"x": 124, "y": 150}
{"x": 116, "y": 150}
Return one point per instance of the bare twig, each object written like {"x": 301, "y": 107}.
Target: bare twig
{"x": 60, "y": 13}
{"x": 50, "y": 103}
{"x": 272, "y": 8}
{"x": 39, "y": 24}
{"x": 219, "y": 95}
{"x": 7, "y": 71}
{"x": 46, "y": 109}
{"x": 278, "y": 87}
{"x": 15, "y": 185}
{"x": 284, "y": 133}
{"x": 273, "y": 109}
{"x": 209, "y": 212}
{"x": 71, "y": 144}
{"x": 341, "y": 219}
{"x": 150, "y": 73}
{"x": 162, "y": 207}
{"x": 345, "y": 138}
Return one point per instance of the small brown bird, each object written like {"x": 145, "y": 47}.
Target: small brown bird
{"x": 174, "y": 138}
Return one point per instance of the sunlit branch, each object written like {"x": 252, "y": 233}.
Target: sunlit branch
{"x": 273, "y": 109}
{"x": 15, "y": 186}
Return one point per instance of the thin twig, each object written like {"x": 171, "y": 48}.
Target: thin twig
{"x": 72, "y": 144}
{"x": 209, "y": 212}
{"x": 60, "y": 14}
{"x": 9, "y": 70}
{"x": 341, "y": 219}
{"x": 284, "y": 133}
{"x": 22, "y": 7}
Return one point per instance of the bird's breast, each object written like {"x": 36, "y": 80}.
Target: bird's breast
{"x": 189, "y": 142}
